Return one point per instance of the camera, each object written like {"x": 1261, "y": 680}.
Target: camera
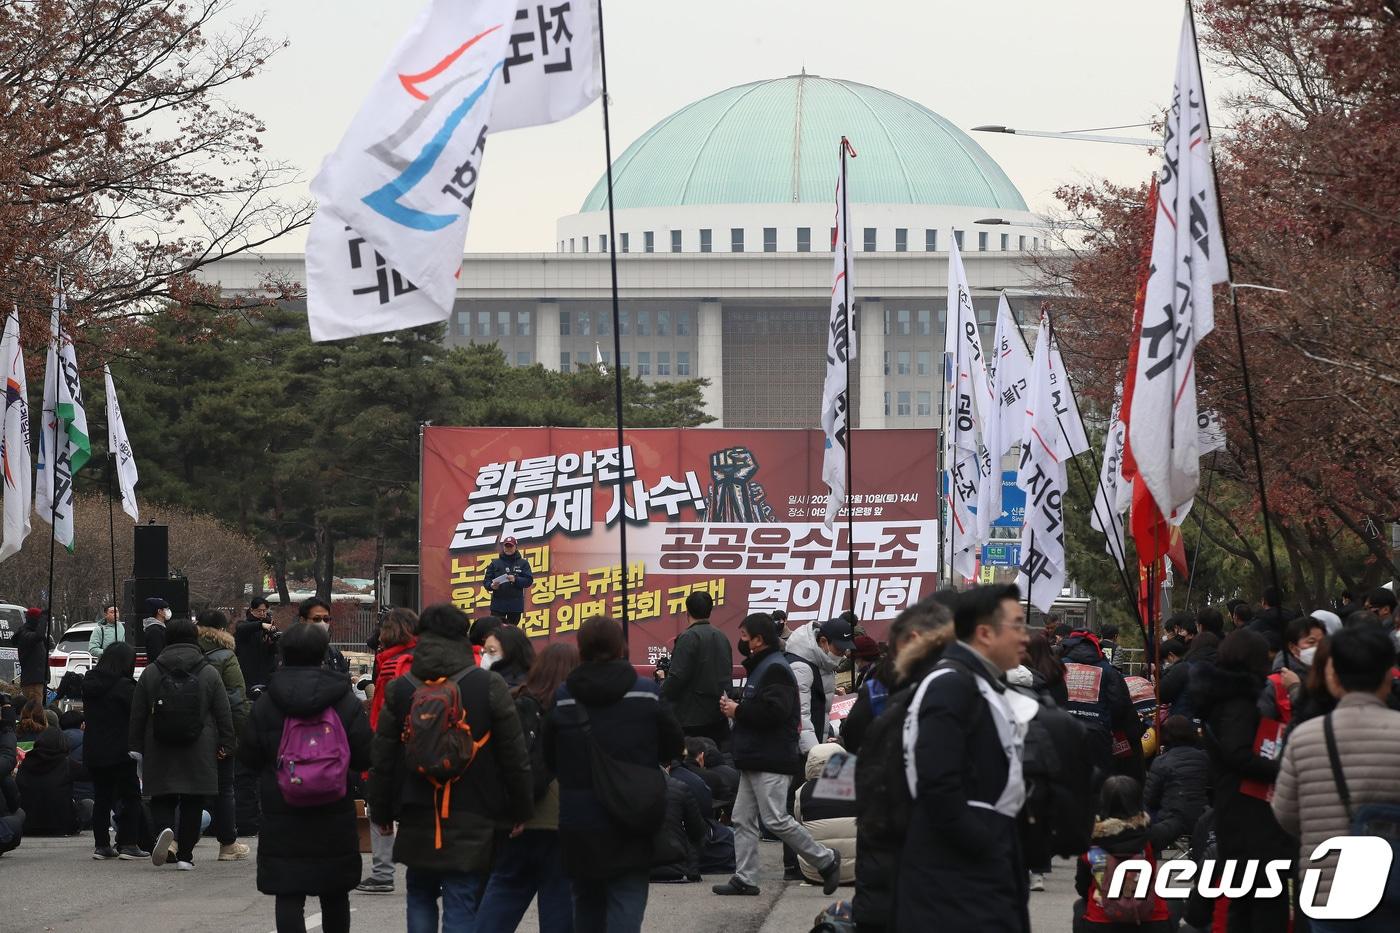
{"x": 663, "y": 667}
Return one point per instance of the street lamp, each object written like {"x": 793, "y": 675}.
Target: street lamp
{"x": 1082, "y": 137}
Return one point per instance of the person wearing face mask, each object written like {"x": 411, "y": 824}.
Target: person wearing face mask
{"x": 815, "y": 651}
{"x": 1291, "y": 666}
{"x": 317, "y": 612}
{"x": 153, "y": 626}
{"x": 507, "y": 651}
{"x": 507, "y": 578}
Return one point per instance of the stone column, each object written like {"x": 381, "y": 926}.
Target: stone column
{"x": 709, "y": 363}
{"x": 547, "y": 334}
{"x": 871, "y": 349}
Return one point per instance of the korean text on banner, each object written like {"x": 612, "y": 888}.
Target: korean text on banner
{"x": 1112, "y": 492}
{"x": 64, "y": 418}
{"x": 840, "y": 348}
{"x": 19, "y": 479}
{"x": 970, "y": 397}
{"x": 1188, "y": 258}
{"x": 1008, "y": 374}
{"x": 120, "y": 447}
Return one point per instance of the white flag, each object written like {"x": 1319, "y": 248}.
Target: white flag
{"x": 1008, "y": 375}
{"x": 970, "y": 395}
{"x": 1188, "y": 257}
{"x": 64, "y": 429}
{"x": 19, "y": 481}
{"x": 1107, "y": 517}
{"x": 598, "y": 356}
{"x": 840, "y": 350}
{"x": 404, "y": 176}
{"x": 1211, "y": 432}
{"x": 1053, "y": 434}
{"x": 120, "y": 447}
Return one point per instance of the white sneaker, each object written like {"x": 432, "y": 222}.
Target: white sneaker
{"x": 233, "y": 852}
{"x": 1037, "y": 882}
{"x": 184, "y": 866}
{"x": 160, "y": 852}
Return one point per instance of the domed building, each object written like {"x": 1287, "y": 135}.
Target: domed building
{"x": 725, "y": 219}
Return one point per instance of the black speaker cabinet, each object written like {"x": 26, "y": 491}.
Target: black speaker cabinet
{"x": 152, "y": 552}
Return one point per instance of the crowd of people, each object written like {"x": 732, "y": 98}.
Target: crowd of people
{"x": 969, "y": 751}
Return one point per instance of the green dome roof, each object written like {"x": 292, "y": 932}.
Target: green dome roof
{"x": 776, "y": 142}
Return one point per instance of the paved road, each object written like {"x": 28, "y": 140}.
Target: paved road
{"x": 53, "y": 886}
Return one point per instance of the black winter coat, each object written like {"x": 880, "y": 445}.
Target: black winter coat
{"x": 256, "y": 656}
{"x": 1177, "y": 792}
{"x": 45, "y": 781}
{"x": 9, "y": 749}
{"x": 493, "y": 794}
{"x": 1228, "y": 702}
{"x": 767, "y": 722}
{"x": 155, "y": 636}
{"x": 304, "y": 850}
{"x": 29, "y": 645}
{"x": 1111, "y": 712}
{"x": 508, "y": 597}
{"x": 1176, "y": 682}
{"x": 630, "y": 722}
{"x": 702, "y": 668}
{"x": 677, "y": 852}
{"x": 107, "y": 711}
{"x": 961, "y": 868}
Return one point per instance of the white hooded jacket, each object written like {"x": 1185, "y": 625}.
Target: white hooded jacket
{"x": 803, "y": 644}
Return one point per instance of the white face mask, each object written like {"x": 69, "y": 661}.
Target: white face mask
{"x": 1307, "y": 655}
{"x": 488, "y": 660}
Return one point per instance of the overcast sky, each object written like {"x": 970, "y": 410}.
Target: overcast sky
{"x": 1023, "y": 63}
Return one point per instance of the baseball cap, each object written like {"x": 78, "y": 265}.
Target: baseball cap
{"x": 508, "y": 539}
{"x": 155, "y": 602}
{"x": 839, "y": 632}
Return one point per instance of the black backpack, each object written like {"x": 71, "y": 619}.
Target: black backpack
{"x": 881, "y": 787}
{"x": 531, "y": 721}
{"x": 177, "y": 710}
{"x": 1057, "y": 768}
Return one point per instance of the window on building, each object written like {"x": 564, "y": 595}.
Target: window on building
{"x": 958, "y": 239}
{"x": 565, "y": 364}
{"x": 1005, "y": 242}
{"x": 571, "y": 244}
{"x": 561, "y": 246}
{"x": 902, "y": 363}
{"x": 624, "y": 359}
{"x": 901, "y": 240}
{"x": 566, "y": 323}
{"x": 644, "y": 363}
{"x": 682, "y": 362}
{"x": 675, "y": 241}
{"x": 663, "y": 323}
{"x": 982, "y": 240}
{"x": 704, "y": 239}
{"x": 869, "y": 239}
{"x": 626, "y": 241}
{"x": 887, "y": 362}
{"x": 683, "y": 323}
{"x": 624, "y": 323}
{"x": 649, "y": 241}
{"x": 923, "y": 321}
{"x": 736, "y": 239}
{"x": 663, "y": 362}
{"x": 923, "y": 362}
{"x": 925, "y": 402}
{"x": 522, "y": 323}
{"x": 585, "y": 244}
{"x": 502, "y": 323}
{"x": 604, "y": 324}
{"x": 522, "y": 358}
{"x": 464, "y": 324}
{"x": 930, "y": 241}
{"x": 770, "y": 239}
{"x": 902, "y": 405}
{"x": 804, "y": 239}
{"x": 602, "y": 242}
{"x": 643, "y": 323}
{"x": 887, "y": 404}
{"x": 483, "y": 323}
{"x": 1035, "y": 243}
{"x": 888, "y": 315}
{"x": 1021, "y": 243}
{"x": 903, "y": 318}
{"x": 585, "y": 323}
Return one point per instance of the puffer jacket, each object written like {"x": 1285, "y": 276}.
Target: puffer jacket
{"x": 814, "y": 693}
{"x": 1306, "y": 802}
{"x": 1177, "y": 791}
{"x": 831, "y": 822}
{"x": 1176, "y": 682}
{"x": 219, "y": 651}
{"x": 677, "y": 845}
{"x": 1114, "y": 837}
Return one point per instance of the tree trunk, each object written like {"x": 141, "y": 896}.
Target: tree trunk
{"x": 323, "y": 565}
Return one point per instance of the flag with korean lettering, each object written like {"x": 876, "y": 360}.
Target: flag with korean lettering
{"x": 840, "y": 350}
{"x": 1112, "y": 496}
{"x": 19, "y": 481}
{"x": 1053, "y": 434}
{"x": 64, "y": 446}
{"x": 970, "y": 397}
{"x": 119, "y": 445}
{"x": 1188, "y": 258}
{"x": 397, "y": 193}
{"x": 1008, "y": 375}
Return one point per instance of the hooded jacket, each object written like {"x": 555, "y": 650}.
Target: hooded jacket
{"x": 107, "y": 710}
{"x": 629, "y": 722}
{"x": 218, "y": 648}
{"x": 389, "y": 663}
{"x": 816, "y": 684}
{"x": 1177, "y": 791}
{"x": 492, "y": 795}
{"x": 304, "y": 850}
{"x": 508, "y": 597}
{"x": 153, "y": 630}
{"x": 1100, "y": 699}
{"x": 45, "y": 779}
{"x": 181, "y": 769}
{"x": 1125, "y": 839}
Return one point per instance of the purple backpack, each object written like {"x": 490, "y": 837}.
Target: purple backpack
{"x": 313, "y": 759}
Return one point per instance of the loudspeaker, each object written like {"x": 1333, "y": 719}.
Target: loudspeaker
{"x": 174, "y": 590}
{"x": 152, "y": 552}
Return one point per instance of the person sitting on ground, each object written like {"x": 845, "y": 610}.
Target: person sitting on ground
{"x": 73, "y": 723}
{"x": 34, "y": 721}
{"x": 45, "y": 779}
{"x": 307, "y": 846}
{"x": 703, "y": 757}
{"x": 507, "y": 651}
{"x": 1178, "y": 784}
{"x": 677, "y": 854}
{"x": 1120, "y": 833}
{"x": 831, "y": 823}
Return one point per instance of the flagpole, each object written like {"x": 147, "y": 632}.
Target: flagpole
{"x": 1030, "y": 580}
{"x": 56, "y": 349}
{"x": 616, "y": 327}
{"x": 112, "y": 524}
{"x": 850, "y": 421}
{"x": 1200, "y": 531}
{"x": 944, "y": 517}
{"x": 1239, "y": 323}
